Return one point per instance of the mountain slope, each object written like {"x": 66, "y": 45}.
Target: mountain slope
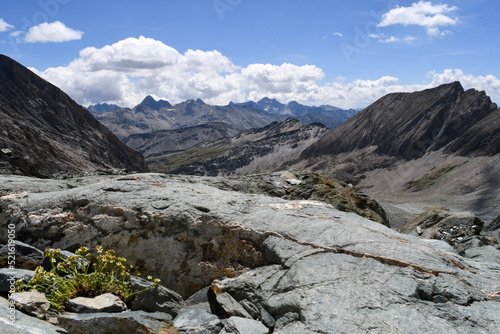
{"x": 407, "y": 125}
{"x": 439, "y": 146}
{"x": 153, "y": 115}
{"x": 43, "y": 126}
{"x": 166, "y": 141}
{"x": 252, "y": 151}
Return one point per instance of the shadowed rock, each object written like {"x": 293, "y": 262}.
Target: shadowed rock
{"x": 48, "y": 132}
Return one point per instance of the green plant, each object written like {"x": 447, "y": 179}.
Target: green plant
{"x": 82, "y": 275}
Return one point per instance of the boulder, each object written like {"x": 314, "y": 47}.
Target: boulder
{"x": 33, "y": 303}
{"x": 197, "y": 320}
{"x": 237, "y": 325}
{"x": 230, "y": 307}
{"x": 440, "y": 223}
{"x": 251, "y": 308}
{"x": 103, "y": 303}
{"x": 8, "y": 278}
{"x": 15, "y": 322}
{"x": 155, "y": 299}
{"x": 267, "y": 319}
{"x": 198, "y": 300}
{"x": 26, "y": 256}
{"x": 125, "y": 322}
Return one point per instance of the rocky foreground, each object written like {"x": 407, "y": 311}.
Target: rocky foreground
{"x": 274, "y": 241}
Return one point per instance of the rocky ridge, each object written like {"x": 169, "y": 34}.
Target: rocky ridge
{"x": 311, "y": 267}
{"x": 161, "y": 142}
{"x": 45, "y": 132}
{"x": 251, "y": 151}
{"x": 408, "y": 125}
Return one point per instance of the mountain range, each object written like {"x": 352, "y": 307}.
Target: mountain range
{"x": 325, "y": 114}
{"x": 44, "y": 131}
{"x": 151, "y": 115}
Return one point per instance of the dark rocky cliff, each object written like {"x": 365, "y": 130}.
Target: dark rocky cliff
{"x": 46, "y": 128}
{"x": 408, "y": 125}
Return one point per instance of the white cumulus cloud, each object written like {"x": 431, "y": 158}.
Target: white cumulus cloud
{"x": 422, "y": 13}
{"x": 4, "y": 26}
{"x": 125, "y": 72}
{"x": 393, "y": 39}
{"x": 52, "y": 32}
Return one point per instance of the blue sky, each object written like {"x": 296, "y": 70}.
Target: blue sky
{"x": 343, "y": 53}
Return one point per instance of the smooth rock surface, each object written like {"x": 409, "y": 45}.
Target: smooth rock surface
{"x": 332, "y": 292}
{"x": 484, "y": 254}
{"x": 103, "y": 303}
{"x": 237, "y": 325}
{"x": 197, "y": 320}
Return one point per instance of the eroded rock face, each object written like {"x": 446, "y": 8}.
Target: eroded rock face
{"x": 312, "y": 267}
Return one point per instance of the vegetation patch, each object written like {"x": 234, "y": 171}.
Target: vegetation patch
{"x": 167, "y": 163}
{"x": 82, "y": 275}
{"x": 427, "y": 181}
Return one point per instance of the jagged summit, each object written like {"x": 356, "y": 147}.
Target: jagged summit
{"x": 408, "y": 125}
{"x": 151, "y": 103}
{"x": 44, "y": 126}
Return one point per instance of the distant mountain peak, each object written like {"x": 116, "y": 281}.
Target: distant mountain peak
{"x": 200, "y": 101}
{"x": 267, "y": 99}
{"x": 151, "y": 103}
{"x": 148, "y": 100}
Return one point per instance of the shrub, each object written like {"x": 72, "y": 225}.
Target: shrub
{"x": 82, "y": 275}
